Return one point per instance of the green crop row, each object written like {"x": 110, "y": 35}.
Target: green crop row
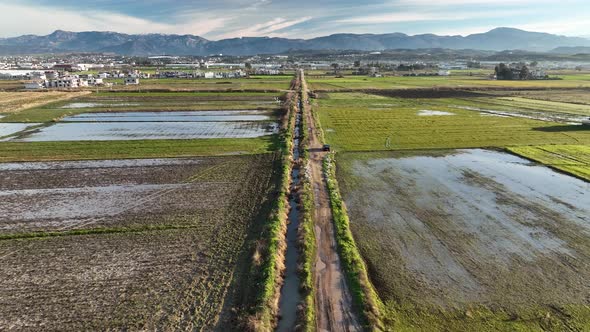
{"x": 307, "y": 244}
{"x": 92, "y": 150}
{"x": 364, "y": 296}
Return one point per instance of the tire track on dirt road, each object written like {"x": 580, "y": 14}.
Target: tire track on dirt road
{"x": 332, "y": 297}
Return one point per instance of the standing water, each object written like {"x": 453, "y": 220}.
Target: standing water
{"x": 290, "y": 297}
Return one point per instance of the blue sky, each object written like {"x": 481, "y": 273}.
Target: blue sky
{"x": 218, "y": 19}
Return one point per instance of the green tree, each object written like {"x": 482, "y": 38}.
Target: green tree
{"x": 336, "y": 68}
{"x": 525, "y": 73}
{"x": 503, "y": 72}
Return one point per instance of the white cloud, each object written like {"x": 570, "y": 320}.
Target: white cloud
{"x": 253, "y": 18}
{"x": 417, "y": 16}
{"x": 570, "y": 26}
{"x": 475, "y": 2}
{"x": 268, "y": 28}
{"x": 18, "y": 19}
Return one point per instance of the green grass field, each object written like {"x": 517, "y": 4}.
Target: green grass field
{"x": 453, "y": 81}
{"x": 259, "y": 83}
{"x": 89, "y": 150}
{"x": 573, "y": 159}
{"x": 362, "y": 122}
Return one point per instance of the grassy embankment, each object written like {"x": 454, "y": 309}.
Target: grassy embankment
{"x": 365, "y": 298}
{"x": 268, "y": 257}
{"x": 307, "y": 245}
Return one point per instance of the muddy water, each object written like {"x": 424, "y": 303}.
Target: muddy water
{"x": 53, "y": 195}
{"x": 290, "y": 296}
{"x": 92, "y": 105}
{"x": 96, "y": 164}
{"x": 196, "y": 116}
{"x": 13, "y": 128}
{"x": 109, "y": 131}
{"x": 473, "y": 226}
{"x": 534, "y": 115}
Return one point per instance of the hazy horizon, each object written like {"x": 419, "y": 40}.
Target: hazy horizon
{"x": 222, "y": 19}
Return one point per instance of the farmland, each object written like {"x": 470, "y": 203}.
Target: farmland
{"x": 573, "y": 159}
{"x": 454, "y": 232}
{"x": 145, "y": 101}
{"x": 449, "y": 204}
{"x": 244, "y": 84}
{"x": 89, "y": 150}
{"x": 127, "y": 210}
{"x": 17, "y": 101}
{"x": 139, "y": 244}
{"x": 573, "y": 96}
{"x": 470, "y": 239}
{"x": 455, "y": 81}
{"x": 363, "y": 122}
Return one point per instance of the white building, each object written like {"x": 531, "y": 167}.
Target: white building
{"x": 66, "y": 82}
{"x": 95, "y": 80}
{"x": 131, "y": 80}
{"x": 51, "y": 74}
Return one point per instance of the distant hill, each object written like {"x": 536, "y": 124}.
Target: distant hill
{"x": 571, "y": 50}
{"x": 157, "y": 44}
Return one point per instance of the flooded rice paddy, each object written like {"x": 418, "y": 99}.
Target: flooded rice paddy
{"x": 107, "y": 131}
{"x": 56, "y": 195}
{"x": 7, "y": 129}
{"x": 470, "y": 226}
{"x": 534, "y": 115}
{"x": 191, "y": 116}
{"x": 108, "y": 126}
{"x": 92, "y": 105}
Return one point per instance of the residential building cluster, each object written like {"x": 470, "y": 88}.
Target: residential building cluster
{"x": 63, "y": 80}
{"x": 201, "y": 74}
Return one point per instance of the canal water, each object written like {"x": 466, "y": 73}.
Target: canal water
{"x": 290, "y": 296}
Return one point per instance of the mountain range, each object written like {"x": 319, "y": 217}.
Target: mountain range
{"x": 159, "y": 44}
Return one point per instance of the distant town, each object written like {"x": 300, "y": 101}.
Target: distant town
{"x": 74, "y": 71}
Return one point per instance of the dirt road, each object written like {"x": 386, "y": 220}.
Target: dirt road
{"x": 333, "y": 299}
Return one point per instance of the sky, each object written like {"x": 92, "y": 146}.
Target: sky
{"x": 219, "y": 19}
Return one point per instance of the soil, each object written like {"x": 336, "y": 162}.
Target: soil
{"x": 14, "y": 102}
{"x": 135, "y": 279}
{"x": 333, "y": 299}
